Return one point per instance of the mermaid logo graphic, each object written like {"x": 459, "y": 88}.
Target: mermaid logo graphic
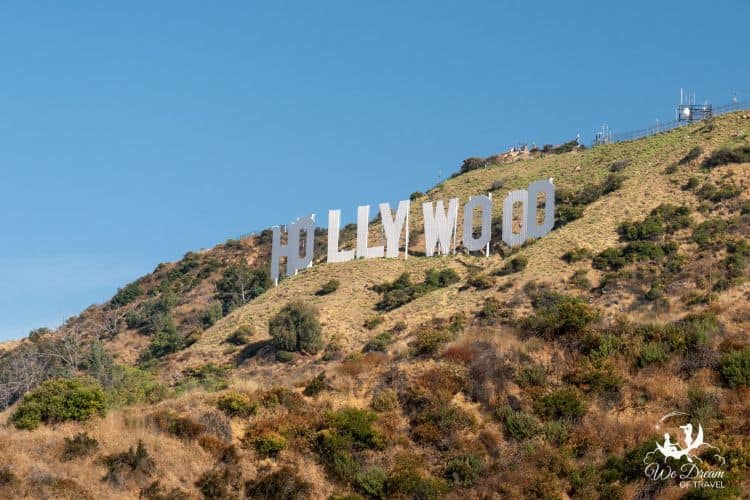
{"x": 688, "y": 472}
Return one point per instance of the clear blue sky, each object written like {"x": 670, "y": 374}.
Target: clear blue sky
{"x": 132, "y": 132}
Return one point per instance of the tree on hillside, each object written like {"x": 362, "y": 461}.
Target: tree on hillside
{"x": 296, "y": 328}
{"x": 240, "y": 284}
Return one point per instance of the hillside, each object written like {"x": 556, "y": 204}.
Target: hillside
{"x": 539, "y": 372}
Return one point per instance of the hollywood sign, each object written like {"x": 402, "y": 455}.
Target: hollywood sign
{"x": 440, "y": 227}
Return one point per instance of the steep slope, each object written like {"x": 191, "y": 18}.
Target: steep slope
{"x": 543, "y": 380}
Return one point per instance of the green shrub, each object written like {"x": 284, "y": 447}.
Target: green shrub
{"x": 78, "y": 446}
{"x": 558, "y": 315}
{"x": 384, "y": 400}
{"x": 465, "y": 469}
{"x": 374, "y": 322}
{"x": 576, "y": 255}
{"x": 241, "y": 335}
{"x": 438, "y": 422}
{"x": 564, "y": 403}
{"x": 269, "y": 444}
{"x": 691, "y": 156}
{"x": 125, "y": 296}
{"x": 580, "y": 279}
{"x": 328, "y": 287}
{"x": 372, "y": 482}
{"x": 429, "y": 338}
{"x": 514, "y": 265}
{"x": 726, "y": 156}
{"x": 240, "y": 284}
{"x": 379, "y": 342}
{"x": 472, "y": 163}
{"x": 281, "y": 396}
{"x": 402, "y": 291}
{"x": 692, "y": 183}
{"x": 517, "y": 424}
{"x": 724, "y": 191}
{"x": 318, "y": 384}
{"x": 209, "y": 377}
{"x": 652, "y": 353}
{"x": 619, "y": 165}
{"x": 711, "y": 232}
{"x": 131, "y": 385}
{"x": 610, "y": 259}
{"x": 532, "y": 376}
{"x": 407, "y": 482}
{"x": 60, "y": 400}
{"x": 565, "y": 214}
{"x": 735, "y": 368}
{"x": 212, "y": 315}
{"x": 236, "y": 404}
{"x": 347, "y": 430}
{"x": 415, "y": 195}
{"x": 284, "y": 357}
{"x": 296, "y": 328}
{"x": 604, "y": 380}
{"x": 480, "y": 281}
{"x": 166, "y": 341}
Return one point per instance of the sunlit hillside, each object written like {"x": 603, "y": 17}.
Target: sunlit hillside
{"x": 538, "y": 372}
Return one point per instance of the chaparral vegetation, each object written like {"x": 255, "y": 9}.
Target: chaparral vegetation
{"x": 536, "y": 372}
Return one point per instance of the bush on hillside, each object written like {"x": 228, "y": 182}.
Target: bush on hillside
{"x": 318, "y": 384}
{"x": 131, "y": 385}
{"x": 514, "y": 265}
{"x": 402, "y": 291}
{"x": 240, "y": 284}
{"x": 576, "y": 255}
{"x": 691, "y": 156}
{"x": 517, "y": 424}
{"x": 166, "y": 341}
{"x": 465, "y": 469}
{"x": 735, "y": 368}
{"x": 711, "y": 232}
{"x": 236, "y": 404}
{"x": 564, "y": 403}
{"x": 726, "y": 156}
{"x": 135, "y": 463}
{"x": 559, "y": 315}
{"x": 60, "y": 400}
{"x": 296, "y": 328}
{"x": 472, "y": 163}
{"x": 328, "y": 287}
{"x": 79, "y": 446}
{"x": 126, "y": 295}
{"x": 347, "y": 431}
{"x": 619, "y": 165}
{"x": 241, "y": 335}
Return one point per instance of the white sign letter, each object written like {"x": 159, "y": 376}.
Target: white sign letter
{"x": 334, "y": 224}
{"x": 294, "y": 261}
{"x": 485, "y": 204}
{"x": 439, "y": 227}
{"x": 363, "y": 228}
{"x": 534, "y": 230}
{"x": 509, "y": 237}
{"x": 393, "y": 226}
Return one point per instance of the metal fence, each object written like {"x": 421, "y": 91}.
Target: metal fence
{"x": 660, "y": 127}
